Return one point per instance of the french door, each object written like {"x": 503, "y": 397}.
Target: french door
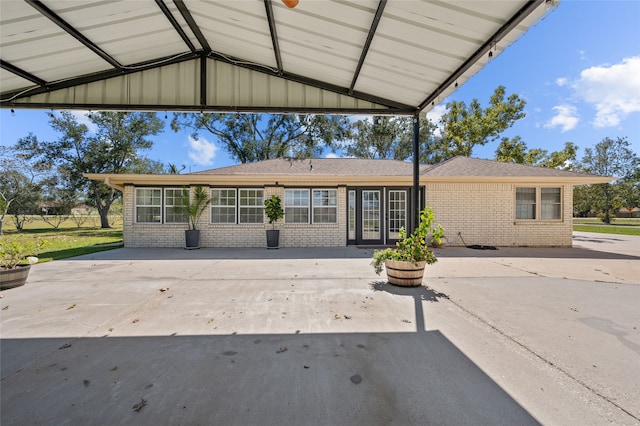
{"x": 376, "y": 215}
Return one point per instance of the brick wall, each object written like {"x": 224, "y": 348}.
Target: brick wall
{"x": 292, "y": 235}
{"x": 485, "y": 214}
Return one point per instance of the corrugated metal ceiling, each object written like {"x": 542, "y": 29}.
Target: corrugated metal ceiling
{"x": 342, "y": 56}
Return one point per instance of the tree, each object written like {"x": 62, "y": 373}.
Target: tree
{"x": 515, "y": 151}
{"x": 386, "y": 137}
{"x": 19, "y": 188}
{"x": 616, "y": 159}
{"x": 255, "y": 137}
{"x": 114, "y": 148}
{"x": 379, "y": 137}
{"x": 465, "y": 127}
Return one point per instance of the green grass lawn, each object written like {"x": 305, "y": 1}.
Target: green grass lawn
{"x": 617, "y": 226}
{"x": 68, "y": 240}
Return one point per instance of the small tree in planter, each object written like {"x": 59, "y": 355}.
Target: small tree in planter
{"x": 193, "y": 207}
{"x": 16, "y": 260}
{"x": 273, "y": 210}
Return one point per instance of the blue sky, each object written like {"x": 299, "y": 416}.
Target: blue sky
{"x": 578, "y": 70}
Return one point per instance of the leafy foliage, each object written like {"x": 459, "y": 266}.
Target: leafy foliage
{"x": 515, "y": 151}
{"x": 273, "y": 209}
{"x": 412, "y": 248}
{"x": 115, "y": 147}
{"x": 610, "y": 157}
{"x": 194, "y": 206}
{"x": 255, "y": 137}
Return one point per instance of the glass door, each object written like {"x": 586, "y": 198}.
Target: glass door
{"x": 370, "y": 216}
{"x": 397, "y": 210}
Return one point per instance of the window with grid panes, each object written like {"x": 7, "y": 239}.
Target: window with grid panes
{"x": 148, "y": 205}
{"x": 296, "y": 206}
{"x": 251, "y": 208}
{"x": 325, "y": 206}
{"x": 223, "y": 205}
{"x": 174, "y": 211}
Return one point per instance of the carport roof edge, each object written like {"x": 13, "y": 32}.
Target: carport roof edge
{"x": 348, "y": 57}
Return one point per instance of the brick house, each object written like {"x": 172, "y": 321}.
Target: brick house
{"x": 333, "y": 202}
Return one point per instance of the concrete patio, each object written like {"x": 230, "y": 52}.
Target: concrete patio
{"x": 314, "y": 337}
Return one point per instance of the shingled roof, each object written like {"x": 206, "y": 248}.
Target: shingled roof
{"x": 466, "y": 166}
{"x": 319, "y": 166}
{"x": 356, "y": 171}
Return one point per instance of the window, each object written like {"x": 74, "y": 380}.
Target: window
{"x": 325, "y": 206}
{"x": 311, "y": 206}
{"x": 148, "y": 205}
{"x": 251, "y": 206}
{"x": 296, "y": 206}
{"x": 528, "y": 200}
{"x": 223, "y": 205}
{"x": 525, "y": 203}
{"x": 174, "y": 211}
{"x": 550, "y": 204}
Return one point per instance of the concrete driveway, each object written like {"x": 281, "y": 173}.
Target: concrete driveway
{"x": 314, "y": 337}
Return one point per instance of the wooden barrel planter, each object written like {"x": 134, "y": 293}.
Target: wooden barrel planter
{"x": 10, "y": 278}
{"x": 404, "y": 273}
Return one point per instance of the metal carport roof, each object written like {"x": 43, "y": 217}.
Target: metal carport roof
{"x": 341, "y": 56}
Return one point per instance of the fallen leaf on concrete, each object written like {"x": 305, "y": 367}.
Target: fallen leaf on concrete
{"x": 135, "y": 320}
{"x": 71, "y": 307}
{"x": 347, "y": 317}
{"x": 163, "y": 289}
{"x": 336, "y": 316}
{"x": 407, "y": 321}
{"x": 282, "y": 349}
{"x": 113, "y": 369}
{"x": 65, "y": 346}
{"x": 137, "y": 407}
{"x": 5, "y": 308}
{"x": 306, "y": 366}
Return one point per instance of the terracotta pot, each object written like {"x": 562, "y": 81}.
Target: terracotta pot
{"x": 10, "y": 278}
{"x": 404, "y": 273}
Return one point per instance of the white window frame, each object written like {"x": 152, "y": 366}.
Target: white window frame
{"x": 136, "y": 205}
{"x": 235, "y": 206}
{"x": 258, "y": 205}
{"x": 289, "y": 205}
{"x": 538, "y": 206}
{"x": 165, "y": 206}
{"x": 332, "y": 196}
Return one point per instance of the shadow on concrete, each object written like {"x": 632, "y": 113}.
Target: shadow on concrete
{"x": 284, "y": 379}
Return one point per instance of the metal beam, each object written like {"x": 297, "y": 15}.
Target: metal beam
{"x": 44, "y": 10}
{"x": 274, "y": 35}
{"x": 163, "y": 7}
{"x": 184, "y": 11}
{"x": 367, "y": 44}
{"x": 514, "y": 21}
{"x": 22, "y": 73}
{"x": 416, "y": 171}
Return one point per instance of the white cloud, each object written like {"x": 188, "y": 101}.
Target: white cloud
{"x": 201, "y": 151}
{"x": 566, "y": 118}
{"x": 613, "y": 90}
{"x": 561, "y": 81}
{"x": 435, "y": 115}
{"x": 332, "y": 155}
{"x": 82, "y": 117}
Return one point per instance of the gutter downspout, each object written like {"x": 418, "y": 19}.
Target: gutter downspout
{"x": 107, "y": 182}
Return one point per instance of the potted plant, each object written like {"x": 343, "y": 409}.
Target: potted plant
{"x": 405, "y": 263}
{"x": 193, "y": 206}
{"x": 438, "y": 240}
{"x": 273, "y": 210}
{"x": 15, "y": 262}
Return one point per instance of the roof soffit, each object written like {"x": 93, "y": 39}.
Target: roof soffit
{"x": 401, "y": 56}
